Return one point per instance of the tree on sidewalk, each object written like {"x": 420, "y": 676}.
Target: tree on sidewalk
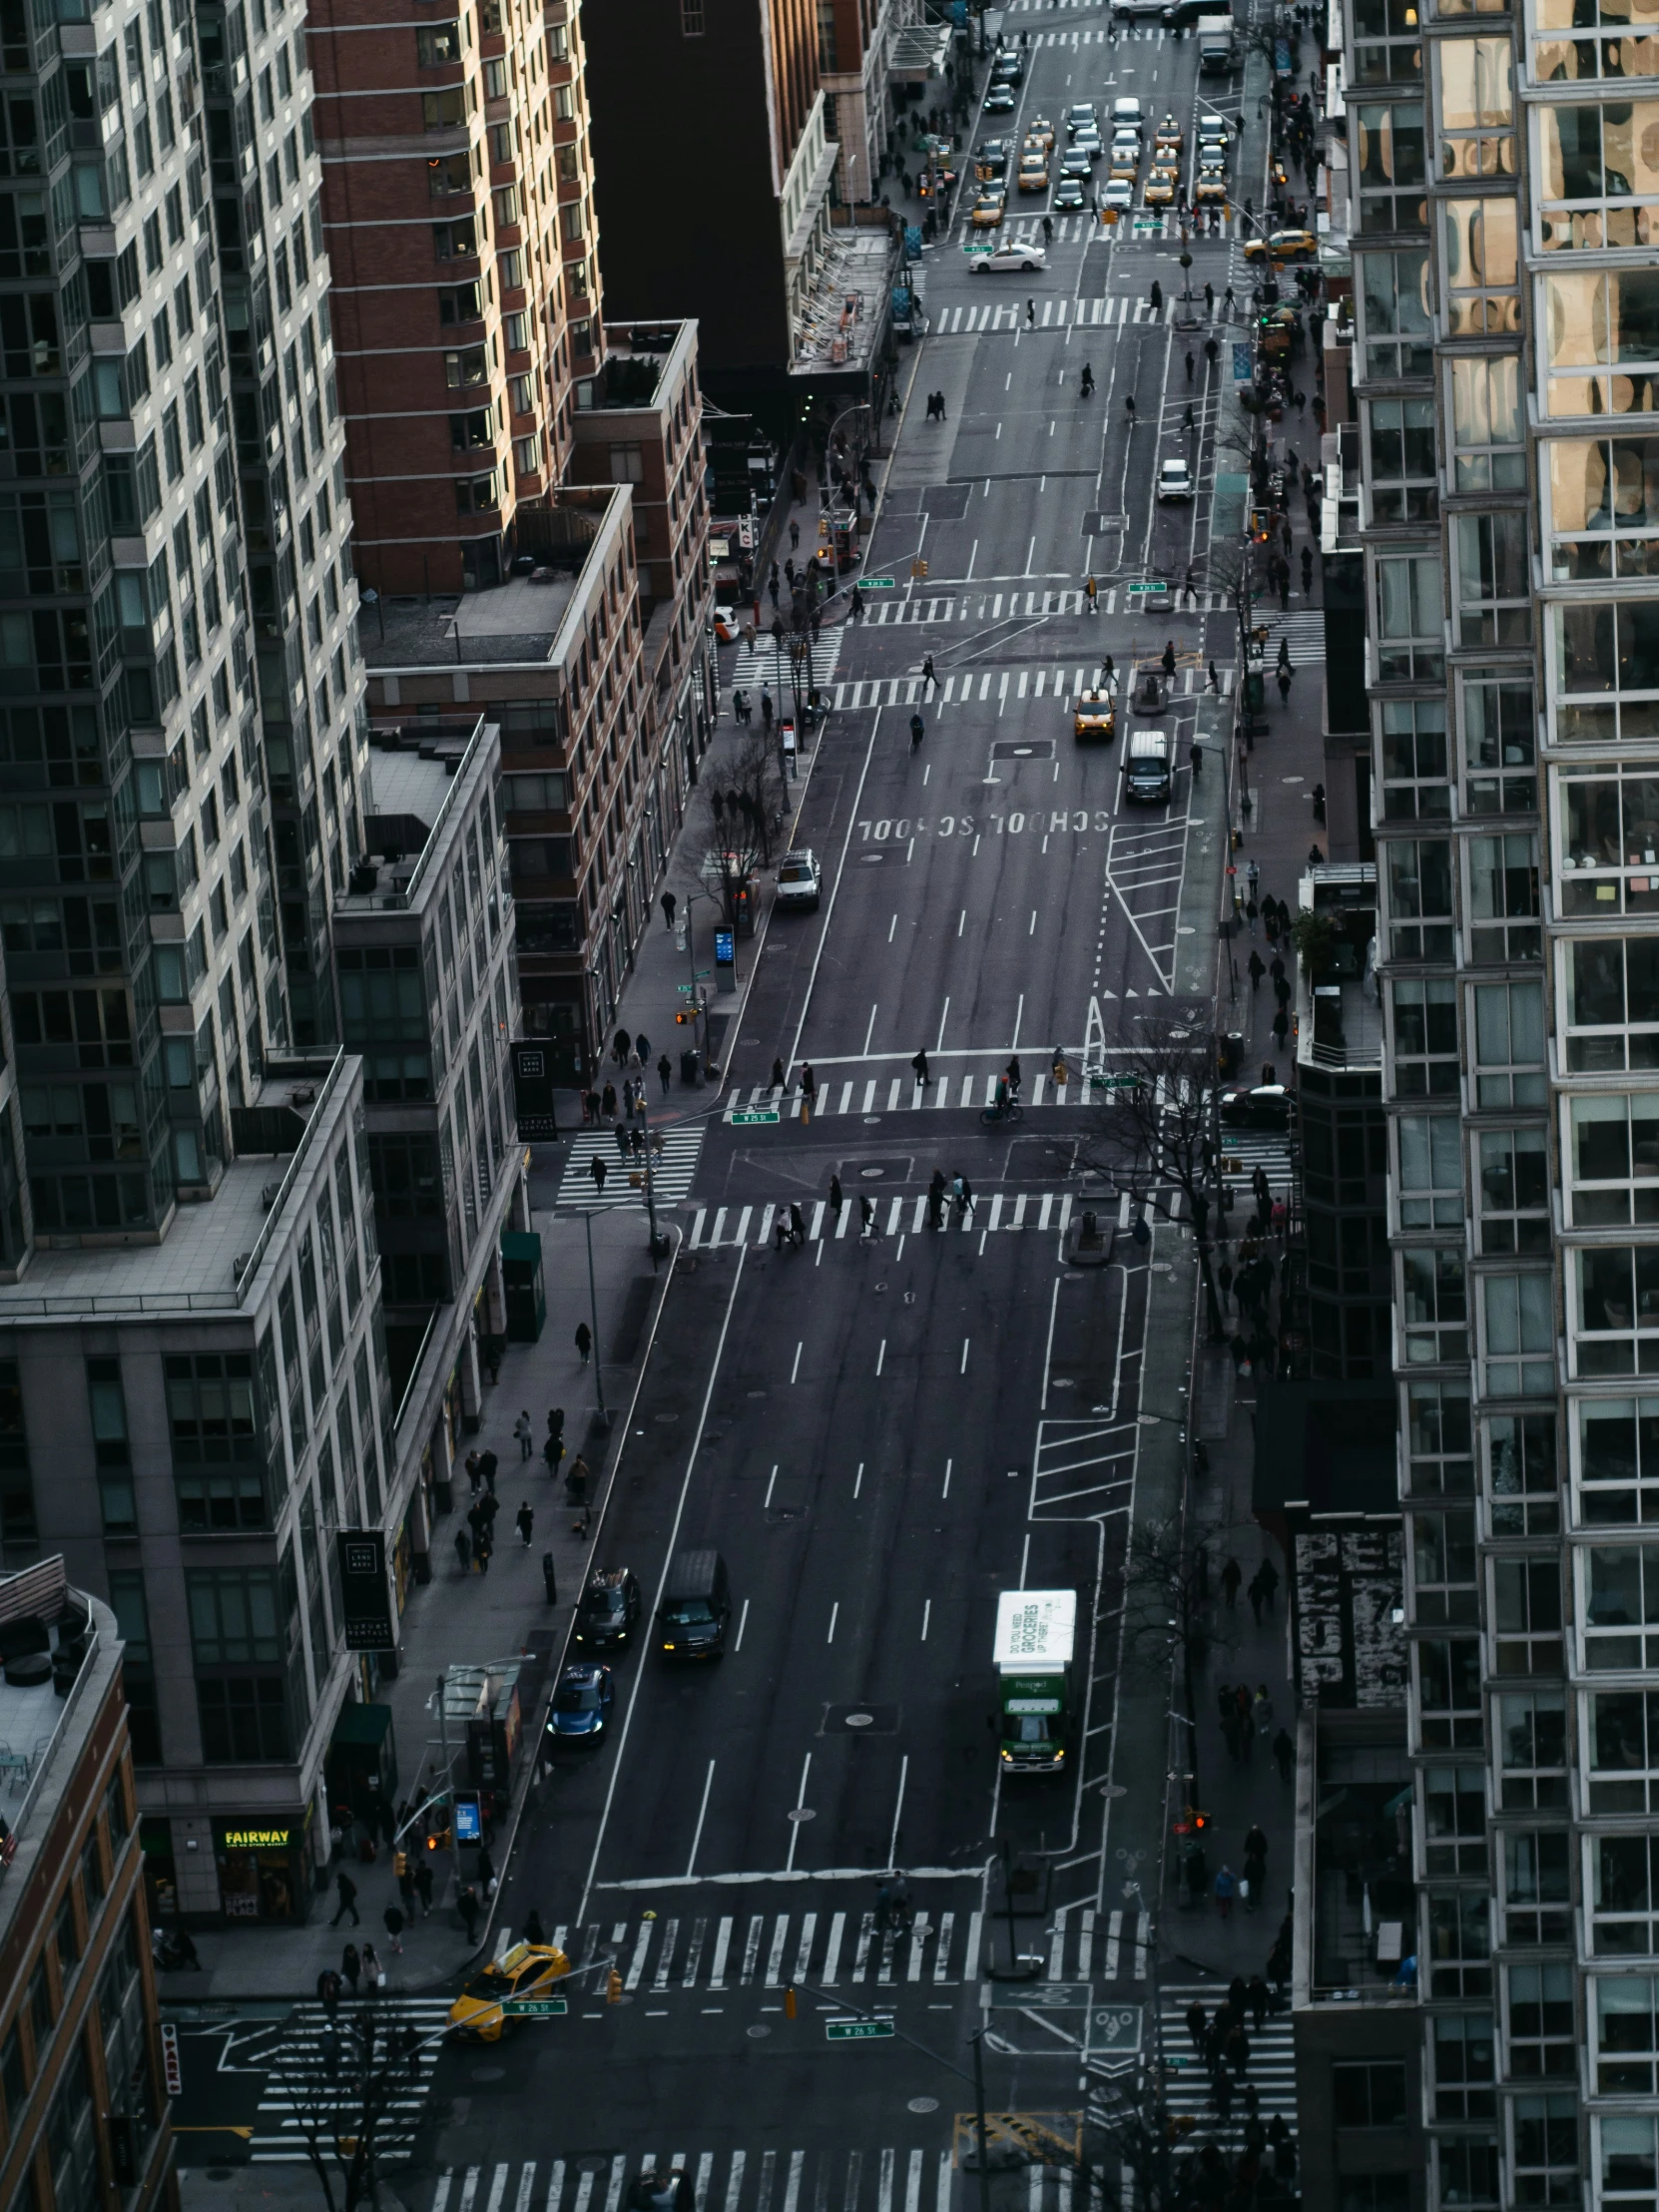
{"x": 344, "y": 2082}
{"x": 1160, "y": 1138}
{"x": 746, "y": 818}
{"x": 1169, "y": 1616}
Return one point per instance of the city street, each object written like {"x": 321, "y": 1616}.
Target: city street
{"x": 879, "y": 1432}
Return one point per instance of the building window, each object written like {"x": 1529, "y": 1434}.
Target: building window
{"x": 1619, "y": 1606}
{"x": 1433, "y": 1305}
{"x": 1455, "y": 1820}
{"x": 1509, "y": 1039}
{"x": 1420, "y": 899}
{"x": 1431, "y": 1180}
{"x": 1448, "y": 1684}
{"x": 1493, "y": 579}
{"x": 1593, "y": 163}
{"x": 1486, "y": 423}
{"x": 691, "y": 18}
{"x": 1467, "y": 2171}
{"x": 466, "y": 365}
{"x": 1616, "y": 1310}
{"x": 1603, "y": 508}
{"x": 1388, "y": 47}
{"x": 1532, "y": 1736}
{"x": 1537, "y": 1893}
{"x": 1482, "y": 273}
{"x": 1403, "y": 480}
{"x": 1413, "y": 747}
{"x": 72, "y": 2139}
{"x": 1389, "y": 158}
{"x": 237, "y": 1640}
{"x": 1372, "y": 2095}
{"x": 1629, "y": 2142}
{"x": 1398, "y": 333}
{"x": 1617, "y": 1476}
{"x": 1464, "y": 2067}
{"x": 1514, "y": 1192}
{"x": 1459, "y": 1945}
{"x": 111, "y": 1451}
{"x": 1527, "y": 1615}
{"x": 1626, "y": 2034}
{"x": 1541, "y": 2038}
{"x": 1602, "y": 341}
{"x": 1440, "y": 1447}
{"x": 1425, "y": 1038}
{"x": 121, "y": 2023}
{"x": 1609, "y": 845}
{"x": 1411, "y": 621}
{"x": 1613, "y": 1159}
{"x": 1522, "y": 1475}
{"x": 1624, "y": 1751}
{"x": 1442, "y": 1569}
{"x": 17, "y": 1497}
{"x": 1499, "y": 743}
{"x": 216, "y": 1453}
{"x": 131, "y": 1617}
{"x": 1475, "y": 107}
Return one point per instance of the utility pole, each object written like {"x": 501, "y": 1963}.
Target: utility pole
{"x": 602, "y": 1417}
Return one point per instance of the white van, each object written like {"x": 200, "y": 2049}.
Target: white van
{"x": 1148, "y": 765}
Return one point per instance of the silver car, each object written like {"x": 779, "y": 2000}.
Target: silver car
{"x": 799, "y": 878}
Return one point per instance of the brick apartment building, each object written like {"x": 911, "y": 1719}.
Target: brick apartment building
{"x": 459, "y": 210}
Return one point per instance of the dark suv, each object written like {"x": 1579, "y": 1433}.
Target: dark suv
{"x": 609, "y": 1609}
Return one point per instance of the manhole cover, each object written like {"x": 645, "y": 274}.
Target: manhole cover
{"x": 1024, "y": 749}
{"x": 870, "y": 1173}
{"x": 1115, "y": 1790}
{"x": 751, "y": 1394}
{"x": 487, "y": 2074}
{"x": 668, "y": 1416}
{"x": 871, "y": 860}
{"x": 1289, "y": 779}
{"x": 923, "y": 2104}
{"x": 219, "y": 2174}
{"x": 800, "y": 1813}
{"x": 859, "y": 1720}
{"x": 759, "y": 2030}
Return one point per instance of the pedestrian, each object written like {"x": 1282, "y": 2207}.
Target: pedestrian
{"x": 665, "y": 1071}
{"x": 596, "y": 1168}
{"x": 1224, "y": 1280}
{"x": 935, "y": 1200}
{"x": 962, "y": 1192}
{"x": 525, "y": 1435}
{"x": 329, "y": 1991}
{"x": 1129, "y": 408}
{"x": 467, "y": 1906}
{"x": 1197, "y": 2022}
{"x": 837, "y": 1200}
{"x": 1267, "y": 1575}
{"x": 1168, "y": 659}
{"x": 1030, "y": 314}
{"x": 423, "y": 1883}
{"x": 1257, "y": 971}
{"x": 576, "y": 1481}
{"x": 808, "y": 1091}
{"x": 642, "y": 1056}
{"x": 669, "y": 904}
{"x": 347, "y": 1891}
{"x": 1191, "y": 364}
{"x": 1196, "y": 1869}
{"x": 797, "y": 1226}
{"x": 1231, "y": 1576}
{"x": 1283, "y": 673}
{"x": 1215, "y": 677}
{"x": 1260, "y": 1710}
{"x": 1155, "y": 298}
{"x": 1259, "y": 2000}
{"x": 1251, "y": 914}
{"x": 351, "y": 1966}
{"x": 795, "y": 536}
{"x": 463, "y": 1550}
{"x": 584, "y": 1341}
{"x": 1256, "y": 1842}
{"x": 866, "y": 1218}
{"x": 526, "y": 1519}
{"x": 1225, "y": 1884}
{"x": 607, "y": 1103}
{"x": 1284, "y": 1754}
{"x": 919, "y": 1063}
{"x": 1281, "y": 1028}
{"x": 1091, "y": 598}
{"x": 374, "y": 1974}
{"x": 1209, "y": 302}
{"x": 1237, "y": 2051}
{"x": 1228, "y": 302}
{"x": 1221, "y": 2090}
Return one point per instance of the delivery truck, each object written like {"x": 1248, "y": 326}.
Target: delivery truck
{"x": 1036, "y": 1631}
{"x": 1215, "y": 43}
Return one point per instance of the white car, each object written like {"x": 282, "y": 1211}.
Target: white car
{"x": 1120, "y": 193}
{"x": 1013, "y": 255}
{"x": 1175, "y": 480}
{"x": 1127, "y": 112}
{"x": 799, "y": 878}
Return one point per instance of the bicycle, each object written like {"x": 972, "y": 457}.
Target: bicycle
{"x": 1009, "y": 1110}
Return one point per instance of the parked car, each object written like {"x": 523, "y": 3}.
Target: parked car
{"x": 582, "y": 1704}
{"x": 800, "y": 877}
{"x": 1258, "y": 1106}
{"x": 610, "y": 1608}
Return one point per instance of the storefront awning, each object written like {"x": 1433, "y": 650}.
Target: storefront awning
{"x": 918, "y": 53}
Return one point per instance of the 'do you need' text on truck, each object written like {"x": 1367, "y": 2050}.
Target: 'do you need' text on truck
{"x": 1036, "y": 1632}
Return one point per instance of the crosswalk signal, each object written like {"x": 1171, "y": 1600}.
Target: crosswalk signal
{"x": 683, "y": 1015}
{"x": 918, "y": 568}
{"x": 613, "y": 1988}
{"x": 789, "y": 2003}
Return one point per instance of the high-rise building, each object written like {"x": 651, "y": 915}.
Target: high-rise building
{"x": 1506, "y": 361}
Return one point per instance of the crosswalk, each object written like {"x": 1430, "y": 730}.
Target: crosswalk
{"x": 1302, "y": 629}
{"x": 656, "y": 1955}
{"x": 760, "y": 664}
{"x": 624, "y": 1184}
{"x": 971, "y": 604}
{"x": 1272, "y": 2067}
{"x": 305, "y": 2091}
{"x": 1111, "y": 312}
{"x": 958, "y": 689}
{"x": 903, "y": 1216}
{"x": 894, "y": 1094}
{"x": 897, "y": 2178}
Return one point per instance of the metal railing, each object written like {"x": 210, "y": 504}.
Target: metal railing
{"x": 250, "y": 1268}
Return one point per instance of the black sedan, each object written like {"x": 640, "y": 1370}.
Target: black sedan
{"x": 609, "y": 1610}
{"x": 1261, "y": 1106}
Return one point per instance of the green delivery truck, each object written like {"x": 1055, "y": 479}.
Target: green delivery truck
{"x": 1036, "y": 1632}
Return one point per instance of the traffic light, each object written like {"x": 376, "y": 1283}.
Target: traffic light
{"x": 613, "y": 1988}
{"x": 685, "y": 1014}
{"x": 918, "y": 568}
{"x": 789, "y": 2002}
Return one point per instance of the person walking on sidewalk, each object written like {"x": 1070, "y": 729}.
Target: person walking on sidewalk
{"x": 664, "y": 1072}
{"x": 463, "y": 1550}
{"x": 1260, "y": 1710}
{"x": 374, "y": 1974}
{"x": 596, "y": 1168}
{"x": 351, "y": 1966}
{"x": 1196, "y": 1868}
{"x": 808, "y": 1091}
{"x": 1254, "y": 1875}
{"x": 584, "y": 1341}
{"x": 423, "y": 1883}
{"x": 526, "y": 1519}
{"x": 1257, "y": 971}
{"x": 1225, "y": 1884}
{"x": 328, "y": 1992}
{"x": 1260, "y": 2001}
{"x": 525, "y": 1433}
{"x": 669, "y": 904}
{"x": 1231, "y": 1576}
{"x": 467, "y": 1906}
{"x": 1284, "y": 1754}
{"x": 347, "y": 1891}
{"x": 1267, "y": 1575}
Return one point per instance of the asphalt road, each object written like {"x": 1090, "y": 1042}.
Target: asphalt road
{"x": 881, "y": 1436}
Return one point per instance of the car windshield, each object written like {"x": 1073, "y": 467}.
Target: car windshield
{"x": 1031, "y": 1730}
{"x": 577, "y": 1697}
{"x": 605, "y": 1600}
{"x": 794, "y": 871}
{"x": 487, "y": 1988}
{"x": 686, "y": 1612}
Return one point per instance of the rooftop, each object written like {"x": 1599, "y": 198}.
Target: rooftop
{"x": 636, "y": 354}
{"x": 42, "y": 1725}
{"x": 846, "y": 311}
{"x": 209, "y": 1260}
{"x": 412, "y": 778}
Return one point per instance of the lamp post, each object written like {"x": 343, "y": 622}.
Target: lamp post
{"x": 602, "y": 1419}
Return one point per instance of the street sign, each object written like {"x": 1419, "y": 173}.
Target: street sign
{"x": 1113, "y": 2027}
{"x": 686, "y": 990}
{"x": 748, "y": 1117}
{"x": 170, "y": 2068}
{"x": 469, "y": 1826}
{"x": 1042, "y": 1996}
{"x": 1115, "y": 1082}
{"x": 855, "y": 2031}
{"x": 534, "y": 2009}
{"x": 879, "y": 583}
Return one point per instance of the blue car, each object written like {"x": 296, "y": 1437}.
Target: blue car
{"x": 581, "y": 1703}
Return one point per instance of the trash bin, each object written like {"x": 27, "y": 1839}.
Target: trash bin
{"x": 691, "y": 1065}
{"x": 1230, "y": 1054}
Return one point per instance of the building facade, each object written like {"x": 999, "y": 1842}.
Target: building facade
{"x": 459, "y": 210}
{"x": 1510, "y": 431}
{"x": 80, "y": 2076}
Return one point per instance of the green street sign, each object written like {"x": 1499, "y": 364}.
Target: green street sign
{"x": 686, "y": 990}
{"x": 534, "y": 2009}
{"x": 1115, "y": 1082}
{"x": 855, "y": 2031}
{"x": 747, "y": 1117}
{"x": 879, "y": 583}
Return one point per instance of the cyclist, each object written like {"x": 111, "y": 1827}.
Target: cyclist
{"x": 917, "y": 726}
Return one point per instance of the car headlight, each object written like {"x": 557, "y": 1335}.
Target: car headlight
{"x": 1007, "y": 1753}
{"x": 668, "y": 1647}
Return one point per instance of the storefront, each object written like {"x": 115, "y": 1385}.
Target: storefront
{"x": 262, "y": 1873}
{"x": 161, "y": 1883}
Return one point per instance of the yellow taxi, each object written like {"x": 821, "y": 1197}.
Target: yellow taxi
{"x": 1284, "y": 245}
{"x": 1039, "y": 127}
{"x": 989, "y": 207}
{"x": 524, "y": 1970}
{"x": 1168, "y": 132}
{"x": 1033, "y": 173}
{"x": 1160, "y": 187}
{"x": 1095, "y": 714}
{"x": 1211, "y": 188}
{"x": 1125, "y": 164}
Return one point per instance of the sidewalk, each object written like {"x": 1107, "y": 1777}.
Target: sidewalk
{"x": 470, "y": 1618}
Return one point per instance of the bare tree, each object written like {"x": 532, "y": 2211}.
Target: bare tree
{"x": 345, "y": 2085}
{"x": 746, "y": 816}
{"x": 1169, "y": 1614}
{"x": 1160, "y": 1136}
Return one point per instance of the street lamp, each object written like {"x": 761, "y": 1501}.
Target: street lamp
{"x": 602, "y": 1419}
